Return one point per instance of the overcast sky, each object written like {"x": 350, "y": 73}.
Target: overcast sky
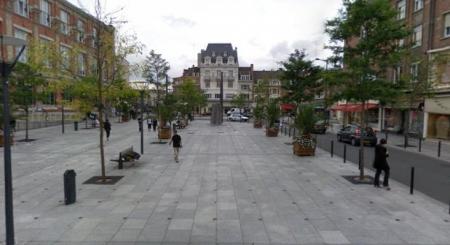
{"x": 264, "y": 31}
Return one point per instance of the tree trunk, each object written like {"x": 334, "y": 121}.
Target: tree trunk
{"x": 361, "y": 141}
{"x": 26, "y": 123}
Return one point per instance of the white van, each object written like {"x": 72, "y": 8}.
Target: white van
{"x": 234, "y": 110}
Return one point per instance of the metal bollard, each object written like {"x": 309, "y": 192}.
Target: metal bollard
{"x": 345, "y": 153}
{"x": 359, "y": 159}
{"x": 420, "y": 144}
{"x": 404, "y": 144}
{"x": 70, "y": 195}
{"x": 289, "y": 131}
{"x": 386, "y": 133}
{"x": 75, "y": 126}
{"x": 293, "y": 135}
{"x": 439, "y": 148}
{"x": 411, "y": 185}
{"x": 332, "y": 148}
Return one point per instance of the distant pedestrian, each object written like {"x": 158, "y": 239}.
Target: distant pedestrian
{"x": 154, "y": 123}
{"x": 380, "y": 164}
{"x": 149, "y": 124}
{"x": 176, "y": 140}
{"x": 107, "y": 127}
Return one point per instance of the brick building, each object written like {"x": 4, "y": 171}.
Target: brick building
{"x": 56, "y": 22}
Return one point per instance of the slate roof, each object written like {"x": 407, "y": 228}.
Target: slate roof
{"x": 219, "y": 49}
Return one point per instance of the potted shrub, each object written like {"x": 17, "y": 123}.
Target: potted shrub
{"x": 258, "y": 115}
{"x": 272, "y": 114}
{"x": 305, "y": 144}
{"x": 165, "y": 117}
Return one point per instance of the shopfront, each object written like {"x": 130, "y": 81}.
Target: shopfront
{"x": 437, "y": 117}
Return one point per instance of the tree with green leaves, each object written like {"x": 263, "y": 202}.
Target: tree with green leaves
{"x": 26, "y": 85}
{"x": 154, "y": 70}
{"x": 301, "y": 77}
{"x": 371, "y": 33}
{"x": 189, "y": 96}
{"x": 239, "y": 101}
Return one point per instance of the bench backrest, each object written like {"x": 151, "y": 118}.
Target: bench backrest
{"x": 126, "y": 151}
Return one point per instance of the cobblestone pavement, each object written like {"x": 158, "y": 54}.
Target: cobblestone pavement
{"x": 233, "y": 185}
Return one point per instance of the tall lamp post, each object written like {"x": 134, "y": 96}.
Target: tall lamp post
{"x": 6, "y": 69}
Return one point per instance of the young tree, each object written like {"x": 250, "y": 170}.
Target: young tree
{"x": 300, "y": 77}
{"x": 371, "y": 33}
{"x": 154, "y": 69}
{"x": 111, "y": 51}
{"x": 26, "y": 83}
{"x": 238, "y": 101}
{"x": 189, "y": 96}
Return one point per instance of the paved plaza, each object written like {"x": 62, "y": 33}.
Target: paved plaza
{"x": 233, "y": 185}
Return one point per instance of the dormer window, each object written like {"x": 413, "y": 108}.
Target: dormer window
{"x": 219, "y": 60}
{"x": 230, "y": 60}
{"x": 207, "y": 60}
{"x": 225, "y": 53}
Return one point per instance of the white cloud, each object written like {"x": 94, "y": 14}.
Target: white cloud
{"x": 265, "y": 31}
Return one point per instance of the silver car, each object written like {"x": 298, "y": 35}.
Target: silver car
{"x": 237, "y": 117}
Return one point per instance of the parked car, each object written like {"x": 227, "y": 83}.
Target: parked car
{"x": 320, "y": 127}
{"x": 234, "y": 110}
{"x": 237, "y": 117}
{"x": 353, "y": 133}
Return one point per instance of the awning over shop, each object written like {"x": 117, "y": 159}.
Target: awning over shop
{"x": 350, "y": 107}
{"x": 287, "y": 107}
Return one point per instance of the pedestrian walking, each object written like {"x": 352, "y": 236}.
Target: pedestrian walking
{"x": 154, "y": 123}
{"x": 381, "y": 165}
{"x": 176, "y": 140}
{"x": 149, "y": 125}
{"x": 107, "y": 127}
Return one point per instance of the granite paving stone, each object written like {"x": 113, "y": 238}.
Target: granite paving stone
{"x": 233, "y": 185}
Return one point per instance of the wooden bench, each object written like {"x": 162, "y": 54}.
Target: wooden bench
{"x": 127, "y": 155}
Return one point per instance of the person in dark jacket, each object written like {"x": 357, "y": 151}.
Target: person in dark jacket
{"x": 154, "y": 123}
{"x": 176, "y": 140}
{"x": 381, "y": 165}
{"x": 107, "y": 127}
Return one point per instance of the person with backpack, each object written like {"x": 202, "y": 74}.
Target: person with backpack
{"x": 176, "y": 140}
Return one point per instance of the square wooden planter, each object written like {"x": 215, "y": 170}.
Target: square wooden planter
{"x": 300, "y": 150}
{"x": 2, "y": 142}
{"x": 165, "y": 133}
{"x": 257, "y": 124}
{"x": 271, "y": 132}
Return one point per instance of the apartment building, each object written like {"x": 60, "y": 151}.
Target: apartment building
{"x": 55, "y": 22}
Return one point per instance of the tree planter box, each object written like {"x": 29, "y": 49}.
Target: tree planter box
{"x": 271, "y": 132}
{"x": 304, "y": 146}
{"x": 300, "y": 150}
{"x": 257, "y": 124}
{"x": 2, "y": 142}
{"x": 164, "y": 133}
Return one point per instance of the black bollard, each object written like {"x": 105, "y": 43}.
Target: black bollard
{"x": 386, "y": 133}
{"x": 289, "y": 131}
{"x": 293, "y": 135}
{"x": 359, "y": 159}
{"x": 332, "y": 148}
{"x": 345, "y": 153}
{"x": 411, "y": 185}
{"x": 405, "y": 142}
{"x": 439, "y": 148}
{"x": 420, "y": 144}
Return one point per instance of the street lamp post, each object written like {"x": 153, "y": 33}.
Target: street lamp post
{"x": 142, "y": 121}
{"x": 326, "y": 88}
{"x": 6, "y": 69}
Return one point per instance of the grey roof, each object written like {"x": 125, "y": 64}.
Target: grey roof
{"x": 219, "y": 49}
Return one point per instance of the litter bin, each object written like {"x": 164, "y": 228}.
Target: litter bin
{"x": 69, "y": 187}
{"x": 75, "y": 125}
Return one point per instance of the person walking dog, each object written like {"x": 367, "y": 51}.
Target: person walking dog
{"x": 176, "y": 140}
{"x": 107, "y": 127}
{"x": 381, "y": 165}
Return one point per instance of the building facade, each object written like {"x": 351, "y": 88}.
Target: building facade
{"x": 58, "y": 23}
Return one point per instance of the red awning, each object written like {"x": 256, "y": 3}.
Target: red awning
{"x": 287, "y": 107}
{"x": 353, "y": 107}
